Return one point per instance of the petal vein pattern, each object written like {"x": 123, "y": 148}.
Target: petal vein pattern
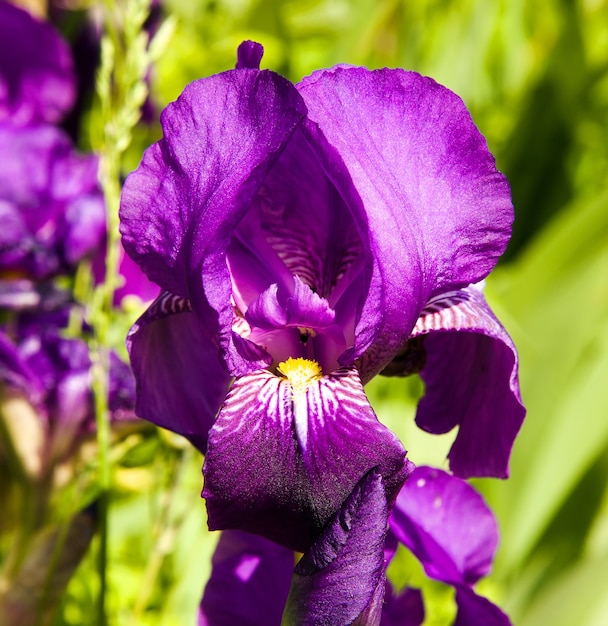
{"x": 282, "y": 471}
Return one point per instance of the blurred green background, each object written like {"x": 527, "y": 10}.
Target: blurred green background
{"x": 534, "y": 76}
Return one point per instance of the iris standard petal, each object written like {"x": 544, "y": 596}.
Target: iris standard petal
{"x": 180, "y": 380}
{"x": 337, "y": 580}
{"x": 474, "y": 610}
{"x": 249, "y": 582}
{"x": 470, "y": 374}
{"x": 439, "y": 213}
{"x": 180, "y": 207}
{"x": 37, "y": 81}
{"x": 447, "y": 525}
{"x": 281, "y": 460}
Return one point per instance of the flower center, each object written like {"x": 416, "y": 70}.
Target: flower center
{"x": 300, "y": 373}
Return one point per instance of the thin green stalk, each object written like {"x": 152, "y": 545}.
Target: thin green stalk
{"x": 121, "y": 90}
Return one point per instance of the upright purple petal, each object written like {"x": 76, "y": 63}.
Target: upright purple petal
{"x": 340, "y": 576}
{"x": 249, "y": 582}
{"x": 447, "y": 525}
{"x": 280, "y": 464}
{"x": 179, "y": 208}
{"x": 439, "y": 213}
{"x": 470, "y": 375}
{"x": 37, "y": 82}
{"x": 180, "y": 381}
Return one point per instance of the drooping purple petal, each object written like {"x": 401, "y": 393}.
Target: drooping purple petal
{"x": 180, "y": 381}
{"x": 447, "y": 525}
{"x": 280, "y": 462}
{"x": 402, "y": 609}
{"x": 249, "y": 582}
{"x": 37, "y": 82}
{"x": 337, "y": 580}
{"x": 470, "y": 373}
{"x": 179, "y": 209}
{"x": 439, "y": 213}
{"x": 474, "y": 610}
{"x": 51, "y": 205}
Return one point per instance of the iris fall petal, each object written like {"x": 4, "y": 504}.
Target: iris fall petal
{"x": 178, "y": 388}
{"x": 280, "y": 462}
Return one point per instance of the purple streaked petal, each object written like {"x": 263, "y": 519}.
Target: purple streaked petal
{"x": 439, "y": 213}
{"x": 37, "y": 81}
{"x": 338, "y": 579}
{"x": 249, "y": 582}
{"x": 304, "y": 217}
{"x": 301, "y": 226}
{"x": 281, "y": 466}
{"x": 402, "y": 609}
{"x": 471, "y": 380}
{"x": 474, "y": 610}
{"x": 180, "y": 380}
{"x": 447, "y": 525}
{"x": 180, "y": 207}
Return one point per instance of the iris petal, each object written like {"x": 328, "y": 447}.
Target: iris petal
{"x": 280, "y": 464}
{"x": 181, "y": 206}
{"x": 471, "y": 380}
{"x": 249, "y": 582}
{"x": 342, "y": 574}
{"x": 178, "y": 387}
{"x": 447, "y": 525}
{"x": 439, "y": 213}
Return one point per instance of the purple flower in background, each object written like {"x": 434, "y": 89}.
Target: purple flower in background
{"x": 341, "y": 579}
{"x": 37, "y": 80}
{"x": 452, "y": 531}
{"x": 46, "y": 389}
{"x": 305, "y": 236}
{"x": 51, "y": 208}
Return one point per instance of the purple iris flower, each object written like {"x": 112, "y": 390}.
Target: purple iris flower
{"x": 341, "y": 579}
{"x": 306, "y": 236}
{"x": 46, "y": 388}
